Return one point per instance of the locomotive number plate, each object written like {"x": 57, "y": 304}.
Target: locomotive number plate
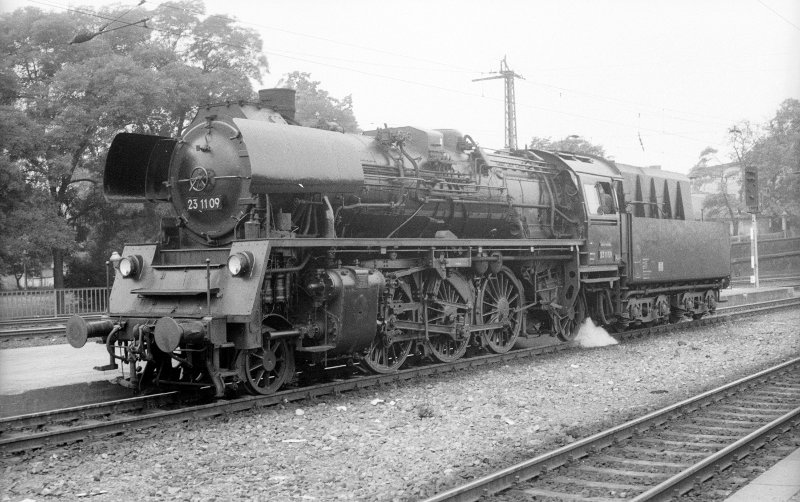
{"x": 204, "y": 203}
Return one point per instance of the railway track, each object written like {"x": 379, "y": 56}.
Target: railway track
{"x": 662, "y": 455}
{"x": 26, "y": 432}
{"x": 30, "y": 328}
{"x": 32, "y": 332}
{"x": 56, "y": 326}
{"x": 74, "y": 423}
{"x": 772, "y": 280}
{"x": 33, "y": 321}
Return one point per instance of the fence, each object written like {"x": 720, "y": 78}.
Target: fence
{"x": 52, "y": 302}
{"x": 775, "y": 257}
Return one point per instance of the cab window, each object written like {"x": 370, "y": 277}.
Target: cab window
{"x": 599, "y": 198}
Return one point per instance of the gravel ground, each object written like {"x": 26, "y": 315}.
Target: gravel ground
{"x": 405, "y": 441}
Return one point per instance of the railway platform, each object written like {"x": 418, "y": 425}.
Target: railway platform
{"x": 28, "y": 368}
{"x": 744, "y": 295}
{"x": 33, "y": 378}
{"x": 781, "y": 483}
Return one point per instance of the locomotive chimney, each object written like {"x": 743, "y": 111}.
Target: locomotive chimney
{"x": 280, "y": 100}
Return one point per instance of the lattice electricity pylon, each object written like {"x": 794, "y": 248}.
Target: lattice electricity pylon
{"x": 511, "y": 107}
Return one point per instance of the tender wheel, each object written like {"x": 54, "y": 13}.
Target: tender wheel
{"x": 662, "y": 308}
{"x": 499, "y": 300}
{"x": 447, "y": 307}
{"x": 265, "y": 369}
{"x": 711, "y": 301}
{"x": 571, "y": 323}
{"x": 384, "y": 355}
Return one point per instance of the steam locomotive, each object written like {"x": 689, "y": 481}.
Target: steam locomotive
{"x": 296, "y": 248}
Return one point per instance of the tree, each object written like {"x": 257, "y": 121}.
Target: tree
{"x": 315, "y": 107}
{"x": 713, "y": 177}
{"x": 776, "y": 156}
{"x": 773, "y": 149}
{"x": 28, "y": 230}
{"x": 571, "y": 144}
{"x": 67, "y": 101}
{"x": 103, "y": 228}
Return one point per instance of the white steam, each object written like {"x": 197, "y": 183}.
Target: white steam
{"x": 590, "y": 335}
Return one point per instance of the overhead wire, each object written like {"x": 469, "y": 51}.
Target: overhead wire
{"x": 401, "y": 80}
{"x": 168, "y": 5}
{"x": 285, "y": 55}
{"x": 779, "y": 15}
{"x": 476, "y": 95}
{"x": 439, "y": 64}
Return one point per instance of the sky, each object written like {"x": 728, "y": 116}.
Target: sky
{"x": 652, "y": 81}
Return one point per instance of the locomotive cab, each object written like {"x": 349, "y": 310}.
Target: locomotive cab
{"x": 600, "y": 185}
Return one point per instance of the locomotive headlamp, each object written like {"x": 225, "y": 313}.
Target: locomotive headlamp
{"x": 240, "y": 263}
{"x": 131, "y": 266}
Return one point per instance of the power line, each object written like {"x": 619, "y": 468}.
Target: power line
{"x": 674, "y": 113}
{"x": 401, "y": 80}
{"x": 144, "y": 25}
{"x": 715, "y": 120}
{"x": 780, "y": 15}
{"x": 475, "y": 95}
{"x": 457, "y": 68}
{"x": 317, "y": 37}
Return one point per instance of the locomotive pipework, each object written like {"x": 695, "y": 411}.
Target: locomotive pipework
{"x": 293, "y": 247}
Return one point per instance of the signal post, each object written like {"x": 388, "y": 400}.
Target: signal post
{"x": 752, "y": 200}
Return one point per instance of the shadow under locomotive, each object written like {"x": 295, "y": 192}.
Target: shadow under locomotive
{"x": 296, "y": 248}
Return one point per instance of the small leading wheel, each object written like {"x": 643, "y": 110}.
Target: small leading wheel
{"x": 385, "y": 355}
{"x": 499, "y": 301}
{"x": 446, "y": 308}
{"x": 265, "y": 369}
{"x": 571, "y": 323}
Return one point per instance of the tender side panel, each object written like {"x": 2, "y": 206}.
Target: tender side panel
{"x": 677, "y": 250}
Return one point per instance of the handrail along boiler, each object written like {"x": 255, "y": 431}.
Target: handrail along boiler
{"x": 302, "y": 248}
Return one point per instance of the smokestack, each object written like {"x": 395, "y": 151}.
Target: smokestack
{"x": 280, "y": 100}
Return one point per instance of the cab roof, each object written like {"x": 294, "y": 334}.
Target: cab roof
{"x": 581, "y": 164}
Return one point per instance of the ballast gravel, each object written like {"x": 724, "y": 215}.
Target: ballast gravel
{"x": 405, "y": 441}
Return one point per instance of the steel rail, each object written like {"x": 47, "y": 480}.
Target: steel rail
{"x": 32, "y": 332}
{"x": 757, "y": 307}
{"x": 86, "y": 411}
{"x": 158, "y": 417}
{"x": 28, "y": 332}
{"x": 685, "y": 480}
{"x": 42, "y": 320}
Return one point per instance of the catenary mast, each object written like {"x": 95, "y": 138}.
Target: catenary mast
{"x": 510, "y": 101}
